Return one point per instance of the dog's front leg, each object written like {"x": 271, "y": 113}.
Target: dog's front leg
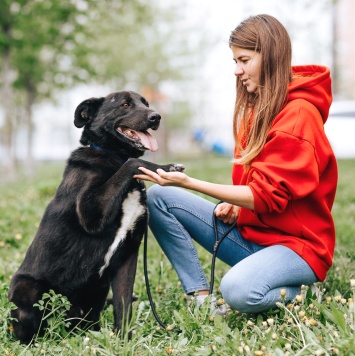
{"x": 134, "y": 163}
{"x": 122, "y": 288}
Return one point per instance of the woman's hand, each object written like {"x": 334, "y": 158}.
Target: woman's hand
{"x": 228, "y": 213}
{"x": 163, "y": 178}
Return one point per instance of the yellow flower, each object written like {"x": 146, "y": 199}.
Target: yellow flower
{"x": 169, "y": 350}
{"x": 18, "y": 237}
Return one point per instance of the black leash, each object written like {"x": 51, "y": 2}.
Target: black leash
{"x": 214, "y": 255}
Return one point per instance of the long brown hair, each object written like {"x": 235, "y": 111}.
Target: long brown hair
{"x": 254, "y": 112}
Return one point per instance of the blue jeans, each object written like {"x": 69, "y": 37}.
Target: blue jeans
{"x": 253, "y": 284}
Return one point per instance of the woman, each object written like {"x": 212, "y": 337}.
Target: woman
{"x": 284, "y": 181}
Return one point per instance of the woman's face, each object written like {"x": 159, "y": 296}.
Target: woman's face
{"x": 248, "y": 67}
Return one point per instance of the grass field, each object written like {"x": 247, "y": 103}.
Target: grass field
{"x": 304, "y": 327}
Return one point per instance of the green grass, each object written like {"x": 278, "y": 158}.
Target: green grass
{"x": 303, "y": 328}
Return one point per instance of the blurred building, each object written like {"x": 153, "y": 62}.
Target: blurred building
{"x": 344, "y": 49}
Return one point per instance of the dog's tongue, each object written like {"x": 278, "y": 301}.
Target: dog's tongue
{"x": 148, "y": 141}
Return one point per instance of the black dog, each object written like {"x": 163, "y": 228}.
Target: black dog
{"x": 90, "y": 233}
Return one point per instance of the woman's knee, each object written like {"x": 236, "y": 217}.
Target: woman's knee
{"x": 240, "y": 294}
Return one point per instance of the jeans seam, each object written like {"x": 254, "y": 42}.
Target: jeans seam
{"x": 178, "y": 206}
{"x": 192, "y": 248}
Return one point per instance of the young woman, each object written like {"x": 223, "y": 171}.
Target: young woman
{"x": 284, "y": 181}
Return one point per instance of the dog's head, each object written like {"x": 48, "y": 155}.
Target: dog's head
{"x": 119, "y": 122}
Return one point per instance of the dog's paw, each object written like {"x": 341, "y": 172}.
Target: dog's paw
{"x": 177, "y": 167}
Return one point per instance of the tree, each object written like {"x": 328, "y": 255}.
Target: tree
{"x": 46, "y": 46}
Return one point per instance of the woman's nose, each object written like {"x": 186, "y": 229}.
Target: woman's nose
{"x": 238, "y": 70}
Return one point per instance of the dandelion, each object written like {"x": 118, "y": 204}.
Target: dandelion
{"x": 274, "y": 336}
{"x": 352, "y": 283}
{"x": 240, "y": 349}
{"x": 86, "y": 341}
{"x": 259, "y": 353}
{"x": 283, "y": 292}
{"x": 247, "y": 348}
{"x": 213, "y": 348}
{"x": 311, "y": 306}
{"x": 319, "y": 352}
{"x": 343, "y": 301}
{"x": 169, "y": 328}
{"x": 337, "y": 298}
{"x": 288, "y": 346}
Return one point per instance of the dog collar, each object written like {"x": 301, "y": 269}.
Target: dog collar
{"x": 99, "y": 148}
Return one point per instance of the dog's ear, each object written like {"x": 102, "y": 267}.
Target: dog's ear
{"x": 86, "y": 111}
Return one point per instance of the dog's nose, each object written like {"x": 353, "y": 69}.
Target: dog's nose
{"x": 154, "y": 117}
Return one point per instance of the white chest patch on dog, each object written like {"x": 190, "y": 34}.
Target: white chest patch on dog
{"x": 131, "y": 210}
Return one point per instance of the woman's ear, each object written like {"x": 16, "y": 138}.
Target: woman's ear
{"x": 86, "y": 111}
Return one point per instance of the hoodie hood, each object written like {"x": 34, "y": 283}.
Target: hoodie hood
{"x": 312, "y": 83}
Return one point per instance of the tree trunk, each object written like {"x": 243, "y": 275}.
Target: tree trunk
{"x": 29, "y": 162}
{"x": 9, "y": 157}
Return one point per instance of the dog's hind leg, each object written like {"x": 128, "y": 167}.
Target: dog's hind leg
{"x": 24, "y": 292}
{"x": 122, "y": 289}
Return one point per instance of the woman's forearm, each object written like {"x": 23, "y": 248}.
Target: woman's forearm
{"x": 240, "y": 195}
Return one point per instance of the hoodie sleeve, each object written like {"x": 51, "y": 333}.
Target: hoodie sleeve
{"x": 287, "y": 168}
{"x": 290, "y": 172}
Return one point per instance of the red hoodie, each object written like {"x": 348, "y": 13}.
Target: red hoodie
{"x": 294, "y": 177}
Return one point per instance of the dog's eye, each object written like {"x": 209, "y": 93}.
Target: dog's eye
{"x": 125, "y": 105}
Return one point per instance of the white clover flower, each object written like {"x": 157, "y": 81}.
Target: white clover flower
{"x": 299, "y": 298}
{"x": 313, "y": 322}
{"x": 270, "y": 321}
{"x": 302, "y": 313}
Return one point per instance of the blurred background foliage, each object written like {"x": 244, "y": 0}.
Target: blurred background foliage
{"x": 46, "y": 46}
{"x": 54, "y": 54}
